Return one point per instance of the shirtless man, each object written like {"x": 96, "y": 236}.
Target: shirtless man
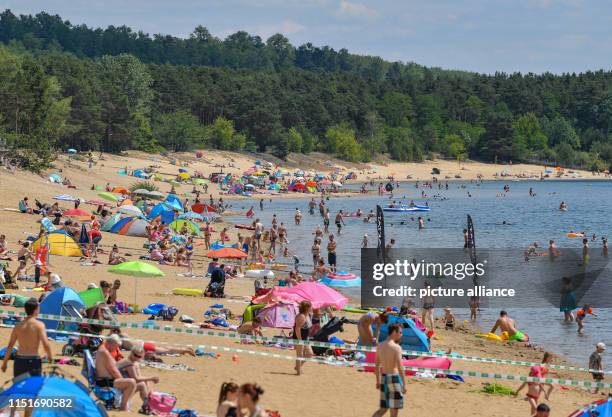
{"x": 366, "y": 336}
{"x": 506, "y": 324}
{"x": 339, "y": 221}
{"x": 107, "y": 374}
{"x": 29, "y": 334}
{"x": 390, "y": 379}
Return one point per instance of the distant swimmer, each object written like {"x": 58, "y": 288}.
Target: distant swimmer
{"x": 563, "y": 206}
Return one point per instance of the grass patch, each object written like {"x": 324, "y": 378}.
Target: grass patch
{"x": 497, "y": 389}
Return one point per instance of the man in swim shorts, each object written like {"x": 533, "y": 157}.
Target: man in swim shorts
{"x": 29, "y": 334}
{"x": 390, "y": 379}
{"x": 506, "y": 324}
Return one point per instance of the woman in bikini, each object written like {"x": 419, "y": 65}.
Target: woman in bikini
{"x": 301, "y": 331}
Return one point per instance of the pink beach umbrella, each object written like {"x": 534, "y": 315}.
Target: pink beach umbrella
{"x": 318, "y": 294}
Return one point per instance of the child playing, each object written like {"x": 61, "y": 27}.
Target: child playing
{"x": 449, "y": 319}
{"x": 596, "y": 363}
{"x": 534, "y": 389}
{"x": 581, "y": 315}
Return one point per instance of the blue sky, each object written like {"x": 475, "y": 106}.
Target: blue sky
{"x": 477, "y": 35}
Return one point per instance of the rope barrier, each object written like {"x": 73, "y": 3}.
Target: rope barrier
{"x": 237, "y": 336}
{"x": 435, "y": 371}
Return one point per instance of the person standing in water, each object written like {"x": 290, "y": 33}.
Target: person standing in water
{"x": 390, "y": 378}
{"x": 331, "y": 253}
{"x": 339, "y": 222}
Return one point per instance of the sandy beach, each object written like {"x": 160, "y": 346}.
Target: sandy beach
{"x": 322, "y": 390}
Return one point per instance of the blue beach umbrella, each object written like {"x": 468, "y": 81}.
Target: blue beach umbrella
{"x": 45, "y": 388}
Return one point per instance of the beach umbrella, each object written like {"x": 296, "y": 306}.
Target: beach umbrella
{"x": 127, "y": 202}
{"x": 136, "y": 269}
{"x": 155, "y": 194}
{"x": 324, "y": 181}
{"x": 230, "y": 253}
{"x": 198, "y": 181}
{"x": 72, "y": 150}
{"x": 202, "y": 208}
{"x": 130, "y": 210}
{"x": 183, "y": 175}
{"x": 65, "y": 197}
{"x": 318, "y": 294}
{"x": 76, "y": 213}
{"x": 337, "y": 183}
{"x": 191, "y": 215}
{"x": 140, "y": 191}
{"x": 108, "y": 196}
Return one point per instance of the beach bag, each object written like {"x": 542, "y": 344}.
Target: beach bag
{"x": 121, "y": 307}
{"x": 187, "y": 413}
{"x": 160, "y": 403}
{"x": 167, "y": 313}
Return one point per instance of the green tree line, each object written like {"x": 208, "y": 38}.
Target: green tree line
{"x": 65, "y": 85}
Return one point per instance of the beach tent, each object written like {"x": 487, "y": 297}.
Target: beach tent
{"x": 120, "y": 190}
{"x": 130, "y": 226}
{"x": 177, "y": 225}
{"x": 600, "y": 408}
{"x": 111, "y": 222}
{"x": 59, "y": 243}
{"x": 161, "y": 210}
{"x": 55, "y": 178}
{"x": 53, "y": 386}
{"x": 274, "y": 187}
{"x": 278, "y": 316}
{"x": 139, "y": 173}
{"x": 412, "y": 337}
{"x": 192, "y": 215}
{"x": 318, "y": 294}
{"x": 174, "y": 202}
{"x": 63, "y": 302}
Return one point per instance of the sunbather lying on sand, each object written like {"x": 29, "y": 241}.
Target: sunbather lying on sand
{"x": 150, "y": 347}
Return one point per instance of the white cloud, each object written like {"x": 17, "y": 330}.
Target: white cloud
{"x": 355, "y": 10}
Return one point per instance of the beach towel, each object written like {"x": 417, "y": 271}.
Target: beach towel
{"x": 391, "y": 395}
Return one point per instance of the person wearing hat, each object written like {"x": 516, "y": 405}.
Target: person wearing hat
{"x": 130, "y": 368}
{"x": 596, "y": 363}
{"x": 107, "y": 374}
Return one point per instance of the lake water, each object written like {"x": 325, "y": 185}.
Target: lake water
{"x": 531, "y": 219}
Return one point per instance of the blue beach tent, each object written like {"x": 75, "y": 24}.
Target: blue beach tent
{"x": 412, "y": 337}
{"x": 64, "y": 302}
{"x": 46, "y": 387}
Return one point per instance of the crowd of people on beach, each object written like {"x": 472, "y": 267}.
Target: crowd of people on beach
{"x": 118, "y": 357}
